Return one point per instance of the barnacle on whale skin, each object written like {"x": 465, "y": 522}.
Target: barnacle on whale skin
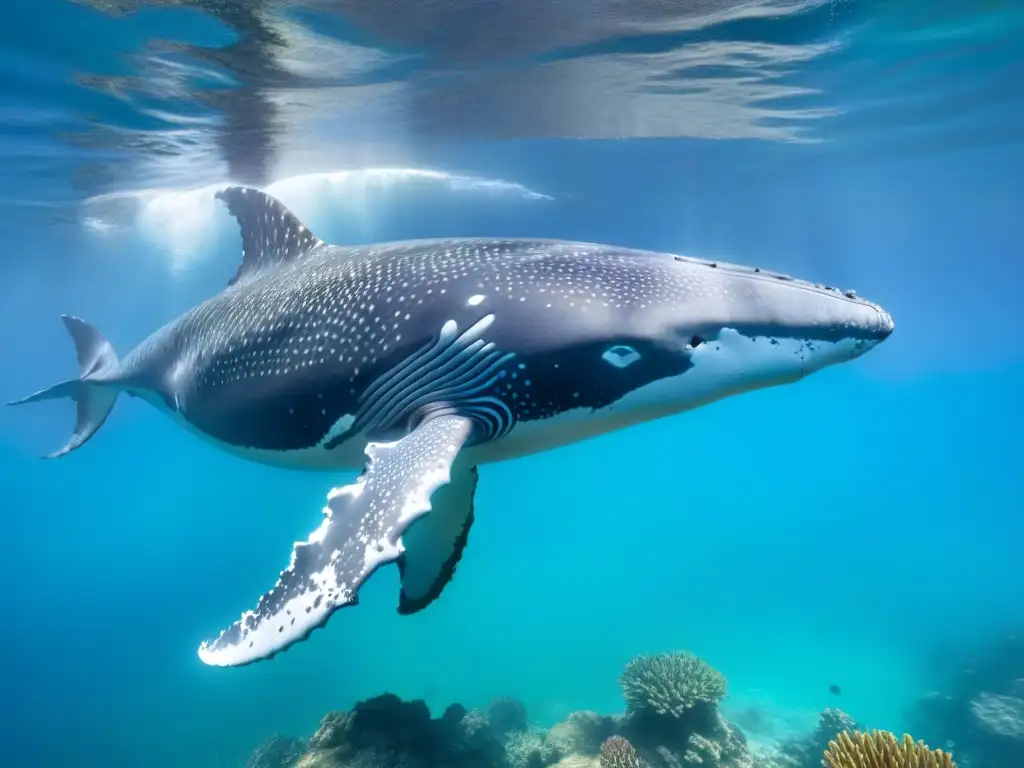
{"x": 880, "y": 749}
{"x": 670, "y": 683}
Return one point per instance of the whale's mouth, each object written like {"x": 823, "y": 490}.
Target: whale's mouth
{"x": 739, "y": 357}
{"x": 736, "y": 360}
{"x": 886, "y": 325}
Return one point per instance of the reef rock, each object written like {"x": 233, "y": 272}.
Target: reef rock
{"x": 702, "y": 737}
{"x": 582, "y": 733}
{"x": 387, "y": 731}
{"x": 331, "y": 732}
{"x": 578, "y": 761}
{"x": 371, "y": 758}
{"x": 978, "y": 714}
{"x": 999, "y": 715}
{"x": 507, "y": 716}
{"x": 726, "y": 747}
{"x": 471, "y": 738}
{"x": 525, "y": 749}
{"x": 806, "y": 751}
{"x": 277, "y": 752}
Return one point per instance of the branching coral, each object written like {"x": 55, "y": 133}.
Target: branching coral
{"x": 880, "y": 749}
{"x": 670, "y": 683}
{"x": 523, "y": 749}
{"x": 832, "y": 722}
{"x": 617, "y": 752}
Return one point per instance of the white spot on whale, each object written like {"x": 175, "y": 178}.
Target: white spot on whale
{"x": 621, "y": 356}
{"x": 475, "y": 300}
{"x": 339, "y": 428}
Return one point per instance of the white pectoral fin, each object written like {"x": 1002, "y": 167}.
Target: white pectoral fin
{"x": 363, "y": 529}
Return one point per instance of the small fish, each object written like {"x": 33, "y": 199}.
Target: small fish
{"x": 835, "y": 689}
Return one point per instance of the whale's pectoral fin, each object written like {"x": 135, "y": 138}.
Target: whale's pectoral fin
{"x": 363, "y": 527}
{"x": 432, "y": 548}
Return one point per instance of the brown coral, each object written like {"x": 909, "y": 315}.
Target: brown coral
{"x": 880, "y": 749}
{"x": 617, "y": 752}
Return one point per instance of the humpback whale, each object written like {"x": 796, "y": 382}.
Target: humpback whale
{"x": 418, "y": 361}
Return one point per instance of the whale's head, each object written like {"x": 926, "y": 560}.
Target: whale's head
{"x": 741, "y": 329}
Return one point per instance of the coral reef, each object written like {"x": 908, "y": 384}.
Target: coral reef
{"x": 725, "y": 747}
{"x": 507, "y": 715}
{"x": 617, "y": 752}
{"x": 277, "y": 752}
{"x": 672, "y": 720}
{"x": 670, "y": 683}
{"x": 578, "y": 761}
{"x": 672, "y": 716}
{"x": 388, "y": 731}
{"x": 806, "y": 752}
{"x": 582, "y": 733}
{"x": 999, "y": 715}
{"x": 880, "y": 749}
{"x": 525, "y": 749}
{"x": 978, "y": 715}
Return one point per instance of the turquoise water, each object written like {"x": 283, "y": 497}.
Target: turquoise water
{"x": 854, "y": 529}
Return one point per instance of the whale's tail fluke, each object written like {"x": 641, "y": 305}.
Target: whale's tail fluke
{"x": 95, "y": 397}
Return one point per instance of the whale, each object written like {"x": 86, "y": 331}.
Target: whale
{"x": 417, "y": 362}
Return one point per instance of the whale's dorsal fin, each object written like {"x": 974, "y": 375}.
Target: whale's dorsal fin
{"x": 271, "y": 234}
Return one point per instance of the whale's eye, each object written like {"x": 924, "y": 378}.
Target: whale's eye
{"x": 695, "y": 341}
{"x": 621, "y": 356}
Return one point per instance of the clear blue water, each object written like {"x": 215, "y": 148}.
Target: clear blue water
{"x": 837, "y": 531}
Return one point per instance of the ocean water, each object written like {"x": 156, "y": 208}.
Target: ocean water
{"x": 861, "y": 529}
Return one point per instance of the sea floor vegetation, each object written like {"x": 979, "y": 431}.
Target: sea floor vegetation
{"x": 672, "y": 719}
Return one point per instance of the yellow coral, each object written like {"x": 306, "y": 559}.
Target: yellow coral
{"x": 880, "y": 749}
